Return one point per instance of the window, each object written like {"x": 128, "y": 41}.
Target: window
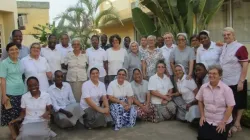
{"x": 22, "y": 21}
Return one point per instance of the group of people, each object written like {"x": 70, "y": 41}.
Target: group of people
{"x": 118, "y": 83}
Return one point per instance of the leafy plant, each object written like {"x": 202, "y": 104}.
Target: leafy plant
{"x": 43, "y": 31}
{"x": 85, "y": 19}
{"x": 176, "y": 16}
{"x": 246, "y": 115}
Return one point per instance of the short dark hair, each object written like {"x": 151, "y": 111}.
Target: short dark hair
{"x": 203, "y": 33}
{"x": 127, "y": 37}
{"x": 144, "y": 37}
{"x": 202, "y": 65}
{"x": 32, "y": 78}
{"x": 57, "y": 72}
{"x": 95, "y": 36}
{"x": 92, "y": 69}
{"x": 136, "y": 69}
{"x": 194, "y": 36}
{"x": 111, "y": 39}
{"x": 14, "y": 31}
{"x": 65, "y": 34}
{"x": 51, "y": 35}
{"x": 217, "y": 67}
{"x": 9, "y": 46}
{"x": 161, "y": 62}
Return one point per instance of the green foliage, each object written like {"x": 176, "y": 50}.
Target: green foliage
{"x": 85, "y": 18}
{"x": 45, "y": 30}
{"x": 246, "y": 115}
{"x": 176, "y": 16}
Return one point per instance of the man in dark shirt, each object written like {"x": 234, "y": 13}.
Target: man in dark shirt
{"x": 104, "y": 39}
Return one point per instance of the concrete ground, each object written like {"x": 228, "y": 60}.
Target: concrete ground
{"x": 142, "y": 131}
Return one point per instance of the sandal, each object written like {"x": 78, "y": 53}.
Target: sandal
{"x": 234, "y": 129}
{"x": 239, "y": 128}
{"x": 230, "y": 133}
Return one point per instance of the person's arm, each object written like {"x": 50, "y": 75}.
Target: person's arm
{"x": 90, "y": 102}
{"x": 201, "y": 108}
{"x": 243, "y": 71}
{"x": 190, "y": 68}
{"x": 105, "y": 101}
{"x": 136, "y": 102}
{"x": 113, "y": 99}
{"x": 157, "y": 94}
{"x": 105, "y": 64}
{"x": 130, "y": 100}
{"x": 148, "y": 98}
{"x": 144, "y": 70}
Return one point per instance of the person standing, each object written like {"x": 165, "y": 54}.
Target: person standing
{"x": 126, "y": 43}
{"x": 116, "y": 56}
{"x": 160, "y": 42}
{"x": 76, "y": 63}
{"x": 52, "y": 55}
{"x": 104, "y": 44}
{"x": 12, "y": 85}
{"x": 97, "y": 57}
{"x": 234, "y": 63}
{"x": 143, "y": 44}
{"x": 17, "y": 38}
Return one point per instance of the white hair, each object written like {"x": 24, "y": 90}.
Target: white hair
{"x": 75, "y": 39}
{"x": 152, "y": 37}
{"x": 229, "y": 29}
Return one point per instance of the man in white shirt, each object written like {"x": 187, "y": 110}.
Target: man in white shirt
{"x": 97, "y": 57}
{"x": 52, "y": 55}
{"x": 66, "y": 110}
{"x": 64, "y": 48}
{"x": 166, "y": 50}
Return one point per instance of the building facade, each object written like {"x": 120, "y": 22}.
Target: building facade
{"x": 30, "y": 14}
{"x": 8, "y": 16}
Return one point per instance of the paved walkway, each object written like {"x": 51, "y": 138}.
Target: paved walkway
{"x": 142, "y": 131}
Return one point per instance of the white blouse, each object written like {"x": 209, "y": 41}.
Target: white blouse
{"x": 186, "y": 88}
{"x": 34, "y": 108}
{"x": 120, "y": 91}
{"x": 115, "y": 60}
{"x": 37, "y": 68}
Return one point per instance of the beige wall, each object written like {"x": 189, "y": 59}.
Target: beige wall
{"x": 8, "y": 18}
{"x": 126, "y": 30}
{"x": 34, "y": 17}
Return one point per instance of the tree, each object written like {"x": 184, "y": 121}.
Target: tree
{"x": 190, "y": 16}
{"x": 85, "y": 18}
{"x": 45, "y": 30}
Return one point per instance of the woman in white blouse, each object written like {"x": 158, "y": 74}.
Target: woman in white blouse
{"x": 35, "y": 114}
{"x": 115, "y": 56}
{"x": 94, "y": 91}
{"x": 120, "y": 94}
{"x": 76, "y": 63}
{"x": 185, "y": 97}
{"x": 36, "y": 65}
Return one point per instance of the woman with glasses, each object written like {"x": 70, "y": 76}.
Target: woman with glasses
{"x": 36, "y": 65}
{"x": 120, "y": 94}
{"x": 183, "y": 54}
{"x": 161, "y": 88}
{"x": 76, "y": 63}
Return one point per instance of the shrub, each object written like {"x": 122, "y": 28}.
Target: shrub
{"x": 245, "y": 121}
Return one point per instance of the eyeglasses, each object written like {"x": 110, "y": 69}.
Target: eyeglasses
{"x": 76, "y": 44}
{"x": 227, "y": 34}
{"x": 181, "y": 40}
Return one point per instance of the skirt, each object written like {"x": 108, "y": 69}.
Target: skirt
{"x": 240, "y": 97}
{"x": 182, "y": 112}
{"x": 14, "y": 112}
{"x": 164, "y": 111}
{"x": 146, "y": 116}
{"x": 208, "y": 132}
{"x": 77, "y": 89}
{"x": 35, "y": 131}
{"x": 94, "y": 119}
{"x": 63, "y": 121}
{"x": 121, "y": 117}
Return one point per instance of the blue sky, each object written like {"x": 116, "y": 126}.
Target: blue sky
{"x": 57, "y": 6}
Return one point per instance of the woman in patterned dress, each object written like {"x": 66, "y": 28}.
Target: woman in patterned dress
{"x": 120, "y": 94}
{"x": 145, "y": 110}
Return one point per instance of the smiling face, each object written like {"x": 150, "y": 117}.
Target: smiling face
{"x": 160, "y": 41}
{"x": 33, "y": 86}
{"x": 228, "y": 37}
{"x": 65, "y": 40}
{"x": 17, "y": 38}
{"x": 95, "y": 42}
{"x": 181, "y": 40}
{"x": 13, "y": 52}
{"x": 94, "y": 75}
{"x": 168, "y": 39}
{"x": 104, "y": 39}
{"x": 134, "y": 48}
{"x": 161, "y": 68}
{"x": 195, "y": 42}
{"x": 214, "y": 76}
{"x": 137, "y": 75}
{"x": 144, "y": 41}
{"x": 76, "y": 45}
{"x": 35, "y": 50}
{"x": 179, "y": 72}
{"x": 204, "y": 39}
{"x": 127, "y": 42}
{"x": 115, "y": 42}
{"x": 52, "y": 42}
{"x": 121, "y": 76}
{"x": 58, "y": 77}
{"x": 151, "y": 42}
{"x": 200, "y": 72}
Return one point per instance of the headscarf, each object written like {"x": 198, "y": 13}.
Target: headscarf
{"x": 206, "y": 32}
{"x": 184, "y": 35}
{"x": 182, "y": 67}
{"x": 133, "y": 42}
{"x": 205, "y": 65}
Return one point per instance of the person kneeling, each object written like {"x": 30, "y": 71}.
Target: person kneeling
{"x": 94, "y": 91}
{"x": 66, "y": 110}
{"x": 36, "y": 109}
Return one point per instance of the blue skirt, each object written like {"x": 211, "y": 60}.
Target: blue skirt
{"x": 121, "y": 117}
